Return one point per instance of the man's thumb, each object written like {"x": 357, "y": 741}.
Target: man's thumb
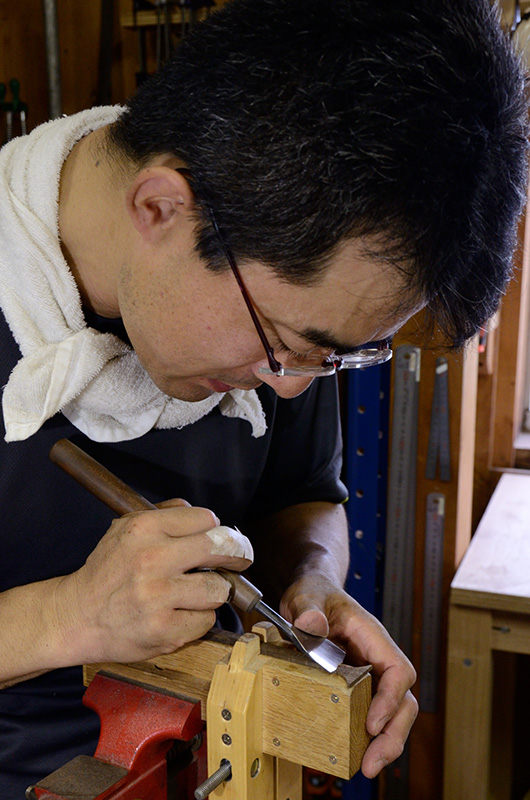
{"x": 312, "y": 619}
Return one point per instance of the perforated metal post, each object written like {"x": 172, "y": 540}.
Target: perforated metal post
{"x": 366, "y": 396}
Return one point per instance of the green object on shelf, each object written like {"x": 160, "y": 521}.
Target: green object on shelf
{"x": 17, "y": 104}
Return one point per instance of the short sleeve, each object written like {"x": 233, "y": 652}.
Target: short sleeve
{"x": 305, "y": 455}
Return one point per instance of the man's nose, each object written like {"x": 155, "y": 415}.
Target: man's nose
{"x": 287, "y": 386}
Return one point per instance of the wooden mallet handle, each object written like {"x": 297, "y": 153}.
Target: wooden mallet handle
{"x": 97, "y": 479}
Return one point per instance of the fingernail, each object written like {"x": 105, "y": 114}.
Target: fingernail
{"x": 381, "y": 763}
{"x": 380, "y": 724}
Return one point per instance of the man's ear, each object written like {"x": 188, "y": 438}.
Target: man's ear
{"x": 157, "y": 199}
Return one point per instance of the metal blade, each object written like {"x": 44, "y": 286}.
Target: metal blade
{"x": 322, "y": 651}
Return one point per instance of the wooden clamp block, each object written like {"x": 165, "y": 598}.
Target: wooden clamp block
{"x": 269, "y": 709}
{"x": 234, "y": 724}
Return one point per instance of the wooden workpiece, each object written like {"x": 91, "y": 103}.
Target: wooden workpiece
{"x": 269, "y": 709}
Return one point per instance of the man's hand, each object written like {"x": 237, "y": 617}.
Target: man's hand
{"x": 317, "y": 606}
{"x": 136, "y": 596}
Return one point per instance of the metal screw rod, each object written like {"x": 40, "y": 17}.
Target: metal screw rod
{"x": 224, "y": 773}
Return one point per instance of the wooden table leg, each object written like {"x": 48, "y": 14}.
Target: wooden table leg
{"x": 468, "y": 704}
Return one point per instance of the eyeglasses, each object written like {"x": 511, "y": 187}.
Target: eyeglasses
{"x": 367, "y": 355}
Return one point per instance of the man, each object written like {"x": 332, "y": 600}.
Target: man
{"x": 299, "y": 179}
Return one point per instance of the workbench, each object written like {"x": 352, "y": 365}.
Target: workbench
{"x": 489, "y": 622}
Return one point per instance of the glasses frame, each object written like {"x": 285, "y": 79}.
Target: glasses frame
{"x": 274, "y": 364}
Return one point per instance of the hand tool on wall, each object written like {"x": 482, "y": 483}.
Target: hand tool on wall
{"x": 7, "y": 110}
{"x": 53, "y": 58}
{"x": 18, "y": 106}
{"x": 14, "y": 109}
{"x": 398, "y": 590}
{"x": 439, "y": 447}
{"x": 104, "y": 85}
{"x": 401, "y": 513}
{"x": 163, "y": 27}
{"x": 141, "y": 5}
{"x": 122, "y": 499}
{"x": 431, "y": 632}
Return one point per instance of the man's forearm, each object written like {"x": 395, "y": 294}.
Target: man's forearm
{"x": 301, "y": 539}
{"x": 32, "y": 641}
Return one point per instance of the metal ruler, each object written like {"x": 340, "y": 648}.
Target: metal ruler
{"x": 399, "y": 545}
{"x": 438, "y": 451}
{"x": 432, "y": 602}
{"x": 400, "y": 529}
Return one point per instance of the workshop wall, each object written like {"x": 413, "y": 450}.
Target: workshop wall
{"x": 23, "y": 54}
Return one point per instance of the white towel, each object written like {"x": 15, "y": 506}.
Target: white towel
{"x": 94, "y": 378}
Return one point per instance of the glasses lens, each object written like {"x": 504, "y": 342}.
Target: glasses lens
{"x": 367, "y": 357}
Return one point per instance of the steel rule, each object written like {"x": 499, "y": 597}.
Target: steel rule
{"x": 399, "y": 544}
{"x": 438, "y": 450}
{"x": 432, "y": 601}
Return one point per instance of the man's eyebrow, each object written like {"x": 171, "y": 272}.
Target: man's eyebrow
{"x": 327, "y": 341}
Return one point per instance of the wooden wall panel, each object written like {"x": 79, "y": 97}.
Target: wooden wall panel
{"x": 501, "y": 398}
{"x": 23, "y": 54}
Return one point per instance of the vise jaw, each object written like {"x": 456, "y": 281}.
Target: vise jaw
{"x": 138, "y": 728}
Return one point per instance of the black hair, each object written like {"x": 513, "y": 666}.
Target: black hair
{"x": 306, "y": 122}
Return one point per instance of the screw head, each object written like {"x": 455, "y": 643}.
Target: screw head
{"x": 275, "y": 682}
{"x": 334, "y": 698}
{"x": 333, "y": 759}
{"x": 226, "y": 739}
{"x": 276, "y": 742}
{"x": 225, "y": 713}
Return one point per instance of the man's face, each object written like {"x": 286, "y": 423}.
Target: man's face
{"x": 194, "y": 335}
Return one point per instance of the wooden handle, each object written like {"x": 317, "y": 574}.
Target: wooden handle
{"x": 243, "y": 594}
{"x": 97, "y": 479}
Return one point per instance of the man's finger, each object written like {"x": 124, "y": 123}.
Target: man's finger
{"x": 219, "y": 547}
{"x": 389, "y": 744}
{"x": 392, "y": 686}
{"x": 200, "y": 590}
{"x": 176, "y": 502}
{"x": 184, "y": 520}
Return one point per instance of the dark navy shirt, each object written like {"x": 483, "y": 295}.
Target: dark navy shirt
{"x": 50, "y": 525}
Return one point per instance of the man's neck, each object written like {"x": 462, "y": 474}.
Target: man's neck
{"x": 92, "y": 223}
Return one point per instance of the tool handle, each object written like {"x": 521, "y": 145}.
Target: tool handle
{"x": 97, "y": 479}
{"x": 243, "y": 593}
{"x": 123, "y": 500}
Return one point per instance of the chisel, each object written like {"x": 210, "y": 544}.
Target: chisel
{"x": 123, "y": 500}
